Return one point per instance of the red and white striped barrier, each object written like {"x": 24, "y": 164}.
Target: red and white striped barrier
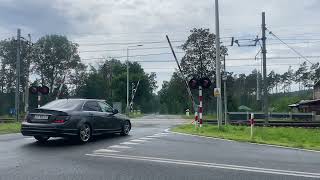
{"x": 200, "y": 106}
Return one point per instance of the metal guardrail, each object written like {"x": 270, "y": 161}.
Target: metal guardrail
{"x": 273, "y": 123}
{"x": 259, "y": 115}
{"x": 7, "y": 120}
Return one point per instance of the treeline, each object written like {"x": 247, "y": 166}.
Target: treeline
{"x": 53, "y": 61}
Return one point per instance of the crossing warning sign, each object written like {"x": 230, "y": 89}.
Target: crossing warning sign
{"x": 217, "y": 92}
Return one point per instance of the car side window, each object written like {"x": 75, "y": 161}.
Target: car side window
{"x": 105, "y": 107}
{"x": 91, "y": 106}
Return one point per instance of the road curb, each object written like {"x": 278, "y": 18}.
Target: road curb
{"x": 259, "y": 144}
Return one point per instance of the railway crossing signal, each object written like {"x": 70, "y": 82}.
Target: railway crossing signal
{"x": 44, "y": 90}
{"x": 204, "y": 82}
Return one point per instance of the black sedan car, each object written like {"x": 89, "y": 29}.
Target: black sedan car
{"x": 77, "y": 118}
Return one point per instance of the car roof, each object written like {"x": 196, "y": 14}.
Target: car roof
{"x": 80, "y": 99}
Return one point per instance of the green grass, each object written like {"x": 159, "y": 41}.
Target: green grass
{"x": 291, "y": 137}
{"x": 132, "y": 115}
{"x": 6, "y": 128}
{"x": 205, "y": 117}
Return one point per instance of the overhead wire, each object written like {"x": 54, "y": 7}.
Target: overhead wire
{"x": 294, "y": 50}
{"x": 123, "y": 49}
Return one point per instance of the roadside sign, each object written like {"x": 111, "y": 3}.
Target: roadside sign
{"x": 217, "y": 92}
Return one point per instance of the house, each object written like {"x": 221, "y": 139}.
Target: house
{"x": 310, "y": 105}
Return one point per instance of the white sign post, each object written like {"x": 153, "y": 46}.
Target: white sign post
{"x": 251, "y": 124}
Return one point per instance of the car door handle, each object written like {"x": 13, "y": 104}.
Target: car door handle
{"x": 90, "y": 114}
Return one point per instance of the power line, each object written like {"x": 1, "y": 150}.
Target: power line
{"x": 126, "y": 43}
{"x": 305, "y": 42}
{"x": 230, "y": 59}
{"x": 270, "y": 58}
{"x": 115, "y": 57}
{"x": 297, "y": 39}
{"x": 305, "y": 58}
{"x": 110, "y": 50}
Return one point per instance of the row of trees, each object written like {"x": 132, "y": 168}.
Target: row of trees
{"x": 108, "y": 82}
{"x": 54, "y": 60}
{"x": 305, "y": 77}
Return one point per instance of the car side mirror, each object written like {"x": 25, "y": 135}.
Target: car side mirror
{"x": 115, "y": 111}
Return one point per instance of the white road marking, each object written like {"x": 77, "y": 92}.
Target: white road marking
{"x": 105, "y": 151}
{"x": 211, "y": 165}
{"x": 155, "y": 136}
{"x": 138, "y": 140}
{"x": 146, "y": 138}
{"x": 120, "y": 147}
{"x": 165, "y": 133}
{"x": 129, "y": 143}
{"x": 159, "y": 134}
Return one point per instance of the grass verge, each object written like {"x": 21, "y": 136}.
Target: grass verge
{"x": 132, "y": 115}
{"x": 6, "y": 128}
{"x": 284, "y": 136}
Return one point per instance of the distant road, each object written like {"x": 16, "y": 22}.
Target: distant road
{"x": 150, "y": 152}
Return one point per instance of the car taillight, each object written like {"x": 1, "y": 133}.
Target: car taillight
{"x": 61, "y": 119}
{"x": 58, "y": 121}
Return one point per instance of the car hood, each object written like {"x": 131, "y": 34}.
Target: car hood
{"x": 122, "y": 116}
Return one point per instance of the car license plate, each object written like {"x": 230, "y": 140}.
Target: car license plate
{"x": 41, "y": 117}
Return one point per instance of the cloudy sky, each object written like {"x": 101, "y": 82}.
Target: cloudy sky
{"x": 106, "y": 28}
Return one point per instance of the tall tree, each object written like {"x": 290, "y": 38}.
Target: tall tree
{"x": 8, "y": 57}
{"x": 199, "y": 58}
{"x": 299, "y": 74}
{"x": 271, "y": 80}
{"x": 314, "y": 73}
{"x": 55, "y": 56}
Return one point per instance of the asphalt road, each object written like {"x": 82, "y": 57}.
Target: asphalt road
{"x": 151, "y": 152}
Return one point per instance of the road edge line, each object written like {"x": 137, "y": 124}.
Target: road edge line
{"x": 230, "y": 140}
{"x": 210, "y": 165}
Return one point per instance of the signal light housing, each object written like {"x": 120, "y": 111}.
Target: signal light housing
{"x": 193, "y": 83}
{"x": 41, "y": 89}
{"x": 205, "y": 82}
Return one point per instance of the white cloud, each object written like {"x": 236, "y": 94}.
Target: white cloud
{"x": 100, "y": 21}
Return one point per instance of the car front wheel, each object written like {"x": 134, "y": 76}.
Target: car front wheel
{"x": 126, "y": 127}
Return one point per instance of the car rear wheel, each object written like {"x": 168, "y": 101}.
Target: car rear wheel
{"x": 84, "y": 133}
{"x": 126, "y": 127}
{"x": 42, "y": 139}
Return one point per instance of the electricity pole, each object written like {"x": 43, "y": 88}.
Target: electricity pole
{"x": 218, "y": 70}
{"x": 127, "y": 108}
{"x": 225, "y": 90}
{"x": 17, "y": 94}
{"x": 264, "y": 64}
{"x": 26, "y": 98}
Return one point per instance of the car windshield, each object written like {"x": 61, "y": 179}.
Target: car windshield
{"x": 63, "y": 104}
